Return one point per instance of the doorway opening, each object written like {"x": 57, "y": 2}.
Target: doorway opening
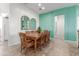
{"x": 59, "y": 27}
{"x": 78, "y": 31}
{"x": 4, "y": 30}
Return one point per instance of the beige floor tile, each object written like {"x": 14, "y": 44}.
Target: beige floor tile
{"x": 55, "y": 48}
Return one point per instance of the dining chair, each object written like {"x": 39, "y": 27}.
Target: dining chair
{"x": 26, "y": 42}
{"x": 43, "y": 39}
{"x": 40, "y": 41}
{"x": 47, "y": 36}
{"x": 29, "y": 43}
{"x": 22, "y": 38}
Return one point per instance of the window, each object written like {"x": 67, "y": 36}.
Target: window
{"x": 33, "y": 23}
{"x": 24, "y": 23}
{"x": 27, "y": 24}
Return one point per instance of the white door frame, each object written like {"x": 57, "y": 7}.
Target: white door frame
{"x": 77, "y": 30}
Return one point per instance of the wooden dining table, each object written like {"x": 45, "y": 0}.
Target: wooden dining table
{"x": 35, "y": 37}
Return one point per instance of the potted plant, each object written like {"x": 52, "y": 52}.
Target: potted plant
{"x": 39, "y": 30}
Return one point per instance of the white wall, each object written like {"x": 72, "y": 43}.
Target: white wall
{"x": 4, "y": 11}
{"x": 0, "y": 28}
{"x": 4, "y": 8}
{"x": 16, "y": 11}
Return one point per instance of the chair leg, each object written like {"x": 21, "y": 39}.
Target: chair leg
{"x": 21, "y": 48}
{"x": 25, "y": 51}
{"x": 40, "y": 47}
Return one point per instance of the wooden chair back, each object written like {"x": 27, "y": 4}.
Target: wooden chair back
{"x": 23, "y": 39}
{"x": 47, "y": 35}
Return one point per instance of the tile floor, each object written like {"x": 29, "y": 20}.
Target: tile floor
{"x": 55, "y": 48}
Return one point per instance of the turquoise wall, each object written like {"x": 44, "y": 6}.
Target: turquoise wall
{"x": 77, "y": 10}
{"x": 47, "y": 22}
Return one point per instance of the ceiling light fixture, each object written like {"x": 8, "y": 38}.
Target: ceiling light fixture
{"x": 4, "y": 14}
{"x": 39, "y": 4}
{"x": 42, "y": 8}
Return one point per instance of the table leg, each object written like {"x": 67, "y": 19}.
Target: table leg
{"x": 35, "y": 45}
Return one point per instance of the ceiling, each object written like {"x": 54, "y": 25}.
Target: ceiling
{"x": 48, "y": 6}
{"x": 4, "y": 8}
